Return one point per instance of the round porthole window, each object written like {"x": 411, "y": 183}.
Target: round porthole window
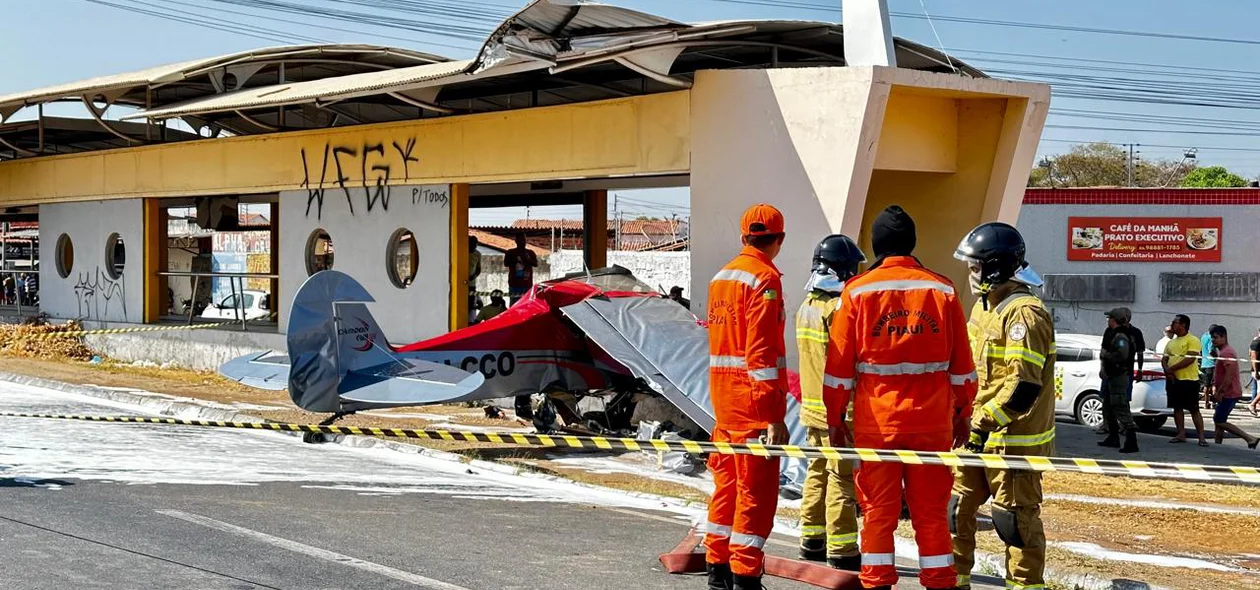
{"x": 115, "y": 256}
{"x": 65, "y": 255}
{"x": 319, "y": 252}
{"x": 402, "y": 257}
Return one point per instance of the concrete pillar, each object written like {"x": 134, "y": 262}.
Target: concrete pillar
{"x": 595, "y": 224}
{"x": 155, "y": 249}
{"x": 459, "y": 256}
{"x": 831, "y": 147}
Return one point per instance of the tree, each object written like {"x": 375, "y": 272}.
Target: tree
{"x": 1104, "y": 164}
{"x": 1212, "y": 177}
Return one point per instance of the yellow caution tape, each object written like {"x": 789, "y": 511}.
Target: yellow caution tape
{"x": 77, "y": 333}
{"x": 1173, "y": 471}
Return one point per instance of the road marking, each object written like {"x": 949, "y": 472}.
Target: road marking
{"x": 376, "y": 568}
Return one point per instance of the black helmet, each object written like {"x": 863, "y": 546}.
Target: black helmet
{"x": 838, "y": 254}
{"x": 998, "y": 248}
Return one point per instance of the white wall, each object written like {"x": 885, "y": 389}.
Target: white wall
{"x": 89, "y": 292}
{"x": 792, "y": 139}
{"x": 658, "y": 269}
{"x": 1045, "y": 230}
{"x": 359, "y": 242}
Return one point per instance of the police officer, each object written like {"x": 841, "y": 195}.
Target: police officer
{"x": 1012, "y": 337}
{"x": 829, "y": 505}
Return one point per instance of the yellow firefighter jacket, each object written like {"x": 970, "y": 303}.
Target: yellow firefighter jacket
{"x": 1014, "y": 342}
{"x": 813, "y": 325}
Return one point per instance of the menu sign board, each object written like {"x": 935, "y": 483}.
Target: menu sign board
{"x": 1144, "y": 239}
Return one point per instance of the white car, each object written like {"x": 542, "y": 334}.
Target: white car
{"x": 248, "y": 302}
{"x": 1077, "y": 384}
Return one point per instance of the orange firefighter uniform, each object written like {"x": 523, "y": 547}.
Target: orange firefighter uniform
{"x": 899, "y": 350}
{"x": 748, "y": 384}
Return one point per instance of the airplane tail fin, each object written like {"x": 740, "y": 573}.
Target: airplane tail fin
{"x": 330, "y": 333}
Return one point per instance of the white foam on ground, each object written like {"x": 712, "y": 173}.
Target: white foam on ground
{"x": 1099, "y": 552}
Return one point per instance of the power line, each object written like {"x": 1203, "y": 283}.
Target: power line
{"x": 210, "y": 24}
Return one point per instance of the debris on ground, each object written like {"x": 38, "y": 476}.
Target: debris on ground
{"x": 38, "y": 340}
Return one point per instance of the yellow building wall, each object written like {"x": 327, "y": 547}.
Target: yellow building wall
{"x": 637, "y": 135}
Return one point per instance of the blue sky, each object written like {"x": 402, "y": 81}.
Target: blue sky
{"x": 53, "y": 41}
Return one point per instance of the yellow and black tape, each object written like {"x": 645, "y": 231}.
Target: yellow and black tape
{"x": 1173, "y": 471}
{"x": 78, "y": 333}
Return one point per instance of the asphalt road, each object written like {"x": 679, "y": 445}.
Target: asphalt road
{"x": 139, "y": 506}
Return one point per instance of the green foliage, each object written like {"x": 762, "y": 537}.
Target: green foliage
{"x": 1213, "y": 177}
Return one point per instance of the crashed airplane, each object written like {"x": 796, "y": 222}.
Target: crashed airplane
{"x": 602, "y": 333}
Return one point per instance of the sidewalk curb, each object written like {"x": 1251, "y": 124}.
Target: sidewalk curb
{"x": 987, "y": 563}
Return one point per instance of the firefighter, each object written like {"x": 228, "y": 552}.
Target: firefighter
{"x": 899, "y": 350}
{"x": 1012, "y": 336}
{"x": 829, "y": 504}
{"x": 748, "y": 385}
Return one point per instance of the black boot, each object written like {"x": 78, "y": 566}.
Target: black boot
{"x": 852, "y": 563}
{"x": 814, "y": 549}
{"x": 747, "y": 583}
{"x": 1130, "y": 442}
{"x": 1112, "y": 440}
{"x": 719, "y": 576}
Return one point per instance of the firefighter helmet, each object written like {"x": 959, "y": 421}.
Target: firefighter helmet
{"x": 998, "y": 249}
{"x": 838, "y": 254}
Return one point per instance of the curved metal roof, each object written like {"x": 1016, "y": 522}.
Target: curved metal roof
{"x": 551, "y": 52}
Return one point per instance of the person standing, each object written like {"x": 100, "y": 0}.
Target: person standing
{"x": 1255, "y": 375}
{"x": 520, "y": 262}
{"x": 1012, "y": 338}
{"x": 1163, "y": 342}
{"x": 1118, "y": 352}
{"x": 828, "y": 502}
{"x": 1228, "y": 388}
{"x": 748, "y": 385}
{"x": 474, "y": 271}
{"x": 1181, "y": 363}
{"x": 1207, "y": 361}
{"x": 898, "y": 349}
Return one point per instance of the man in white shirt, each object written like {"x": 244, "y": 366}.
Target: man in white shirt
{"x": 1168, "y": 336}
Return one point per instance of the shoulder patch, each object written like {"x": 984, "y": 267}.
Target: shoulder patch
{"x": 1017, "y": 331}
{"x": 771, "y": 294}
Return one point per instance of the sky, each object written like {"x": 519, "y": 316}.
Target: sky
{"x": 54, "y": 41}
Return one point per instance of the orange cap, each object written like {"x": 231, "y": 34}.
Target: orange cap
{"x": 761, "y": 220}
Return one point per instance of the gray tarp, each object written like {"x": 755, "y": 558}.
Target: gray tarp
{"x": 662, "y": 343}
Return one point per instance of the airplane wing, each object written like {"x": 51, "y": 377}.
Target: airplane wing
{"x": 263, "y": 370}
{"x": 408, "y": 381}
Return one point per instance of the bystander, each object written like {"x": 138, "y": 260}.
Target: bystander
{"x": 1206, "y": 363}
{"x": 1181, "y": 366}
{"x": 1227, "y": 388}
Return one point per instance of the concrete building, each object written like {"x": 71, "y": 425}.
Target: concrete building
{"x": 369, "y": 158}
{"x": 1159, "y": 252}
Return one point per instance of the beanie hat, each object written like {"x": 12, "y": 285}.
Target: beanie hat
{"x": 892, "y": 233}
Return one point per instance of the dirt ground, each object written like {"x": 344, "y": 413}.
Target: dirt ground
{"x": 1229, "y": 539}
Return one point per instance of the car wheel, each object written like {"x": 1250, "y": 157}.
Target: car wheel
{"x": 1151, "y": 425}
{"x": 1089, "y": 410}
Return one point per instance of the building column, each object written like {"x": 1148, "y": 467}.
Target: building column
{"x": 155, "y": 251}
{"x": 595, "y": 222}
{"x": 274, "y": 256}
{"x": 459, "y": 256}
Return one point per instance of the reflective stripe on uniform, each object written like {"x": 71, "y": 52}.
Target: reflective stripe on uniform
{"x": 930, "y": 561}
{"x": 1012, "y": 585}
{"x": 744, "y": 540}
{"x": 997, "y": 413}
{"x": 901, "y": 286}
{"x": 812, "y": 335}
{"x": 813, "y": 404}
{"x": 963, "y": 379}
{"x": 739, "y": 276}
{"x": 767, "y": 374}
{"x": 717, "y": 530}
{"x": 842, "y": 540}
{"x": 833, "y": 381}
{"x": 1023, "y": 353}
{"x": 1021, "y": 440}
{"x": 876, "y": 559}
{"x": 731, "y": 362}
{"x": 813, "y": 531}
{"x": 903, "y": 368}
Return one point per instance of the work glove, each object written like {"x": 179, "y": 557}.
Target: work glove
{"x": 975, "y": 442}
{"x": 839, "y": 436}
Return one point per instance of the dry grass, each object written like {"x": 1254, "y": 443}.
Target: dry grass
{"x": 30, "y": 341}
{"x": 1149, "y": 489}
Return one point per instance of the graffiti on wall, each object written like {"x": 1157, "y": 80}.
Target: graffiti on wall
{"x": 376, "y": 166}
{"x": 96, "y": 292}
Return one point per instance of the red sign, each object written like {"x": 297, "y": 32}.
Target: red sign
{"x": 1144, "y": 239}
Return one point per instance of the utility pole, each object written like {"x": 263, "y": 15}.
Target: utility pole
{"x": 1134, "y": 154}
{"x": 617, "y": 216}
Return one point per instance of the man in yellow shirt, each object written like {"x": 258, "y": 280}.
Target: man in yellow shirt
{"x": 1181, "y": 367}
